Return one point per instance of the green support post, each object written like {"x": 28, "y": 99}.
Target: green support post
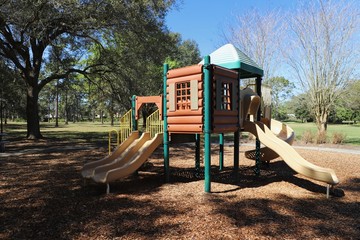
{"x": 207, "y": 122}
{"x": 166, "y": 132}
{"x": 133, "y": 113}
{"x": 221, "y": 151}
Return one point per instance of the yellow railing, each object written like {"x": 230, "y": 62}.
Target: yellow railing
{"x": 125, "y": 126}
{"x": 153, "y": 124}
{"x": 123, "y": 132}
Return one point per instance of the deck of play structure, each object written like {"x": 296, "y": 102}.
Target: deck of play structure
{"x": 198, "y": 101}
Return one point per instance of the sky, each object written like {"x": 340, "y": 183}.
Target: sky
{"x": 203, "y": 20}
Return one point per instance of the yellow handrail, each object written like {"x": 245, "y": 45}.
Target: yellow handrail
{"x": 153, "y": 124}
{"x": 124, "y": 130}
{"x": 125, "y": 126}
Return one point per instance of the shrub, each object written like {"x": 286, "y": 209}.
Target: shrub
{"x": 307, "y": 136}
{"x": 321, "y": 137}
{"x": 338, "y": 138}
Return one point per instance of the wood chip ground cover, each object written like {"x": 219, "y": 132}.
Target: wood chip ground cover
{"x": 42, "y": 196}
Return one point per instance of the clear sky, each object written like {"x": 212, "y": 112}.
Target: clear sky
{"x": 203, "y": 20}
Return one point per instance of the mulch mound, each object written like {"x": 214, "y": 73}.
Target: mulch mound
{"x": 43, "y": 196}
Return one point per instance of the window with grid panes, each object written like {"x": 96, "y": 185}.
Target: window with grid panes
{"x": 183, "y": 100}
{"x": 226, "y": 96}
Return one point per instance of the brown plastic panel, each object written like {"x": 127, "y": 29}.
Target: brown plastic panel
{"x": 185, "y": 128}
{"x": 225, "y": 113}
{"x": 185, "y": 78}
{"x": 224, "y": 128}
{"x": 186, "y": 112}
{"x": 217, "y": 70}
{"x": 140, "y": 100}
{"x": 185, "y": 120}
{"x": 226, "y": 120}
{"x": 190, "y": 70}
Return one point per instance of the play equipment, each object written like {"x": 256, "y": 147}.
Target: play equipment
{"x": 133, "y": 151}
{"x": 198, "y": 101}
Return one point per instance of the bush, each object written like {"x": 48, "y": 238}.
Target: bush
{"x": 321, "y": 137}
{"x": 338, "y": 138}
{"x": 307, "y": 136}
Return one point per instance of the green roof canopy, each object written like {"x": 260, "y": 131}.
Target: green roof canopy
{"x": 229, "y": 56}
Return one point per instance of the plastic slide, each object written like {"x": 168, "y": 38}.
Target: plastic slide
{"x": 289, "y": 155}
{"x": 134, "y": 160}
{"x": 282, "y": 131}
{"x": 118, "y": 154}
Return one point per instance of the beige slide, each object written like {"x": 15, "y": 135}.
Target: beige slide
{"x": 117, "y": 155}
{"x": 289, "y": 155}
{"x": 282, "y": 131}
{"x": 134, "y": 159}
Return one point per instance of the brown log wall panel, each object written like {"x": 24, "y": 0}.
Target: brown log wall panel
{"x": 225, "y": 72}
{"x": 224, "y": 128}
{"x": 185, "y": 78}
{"x": 187, "y": 112}
{"x": 225, "y": 120}
{"x": 190, "y": 70}
{"x": 185, "y": 120}
{"x": 185, "y": 128}
{"x": 225, "y": 113}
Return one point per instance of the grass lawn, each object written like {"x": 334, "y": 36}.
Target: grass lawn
{"x": 88, "y": 131}
{"x": 351, "y": 131}
{"x": 95, "y": 131}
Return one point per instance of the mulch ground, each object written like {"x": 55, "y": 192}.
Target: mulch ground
{"x": 42, "y": 196}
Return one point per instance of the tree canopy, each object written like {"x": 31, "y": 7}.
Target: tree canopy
{"x": 46, "y": 40}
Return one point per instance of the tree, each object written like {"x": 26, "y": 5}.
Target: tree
{"x": 258, "y": 35}
{"x": 45, "y": 39}
{"x": 299, "y": 105}
{"x": 281, "y": 89}
{"x": 324, "y": 52}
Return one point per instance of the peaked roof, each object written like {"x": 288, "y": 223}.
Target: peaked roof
{"x": 229, "y": 56}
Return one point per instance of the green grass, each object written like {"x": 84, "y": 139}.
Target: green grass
{"x": 351, "y": 131}
{"x": 81, "y": 131}
{"x": 89, "y": 131}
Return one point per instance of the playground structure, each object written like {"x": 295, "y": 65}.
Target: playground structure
{"x": 198, "y": 101}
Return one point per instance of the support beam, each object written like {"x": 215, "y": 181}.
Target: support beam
{"x": 207, "y": 122}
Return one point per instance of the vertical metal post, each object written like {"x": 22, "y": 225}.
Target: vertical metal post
{"x": 258, "y": 118}
{"x": 237, "y": 133}
{"x": 166, "y": 132}
{"x": 133, "y": 113}
{"x": 221, "y": 151}
{"x": 207, "y": 122}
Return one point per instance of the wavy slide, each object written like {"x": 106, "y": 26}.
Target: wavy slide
{"x": 116, "y": 156}
{"x": 282, "y": 131}
{"x": 129, "y": 163}
{"x": 289, "y": 155}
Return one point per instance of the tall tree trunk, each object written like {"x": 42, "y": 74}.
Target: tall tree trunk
{"x": 32, "y": 113}
{"x": 321, "y": 121}
{"x": 57, "y": 105}
{"x": 66, "y": 108}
